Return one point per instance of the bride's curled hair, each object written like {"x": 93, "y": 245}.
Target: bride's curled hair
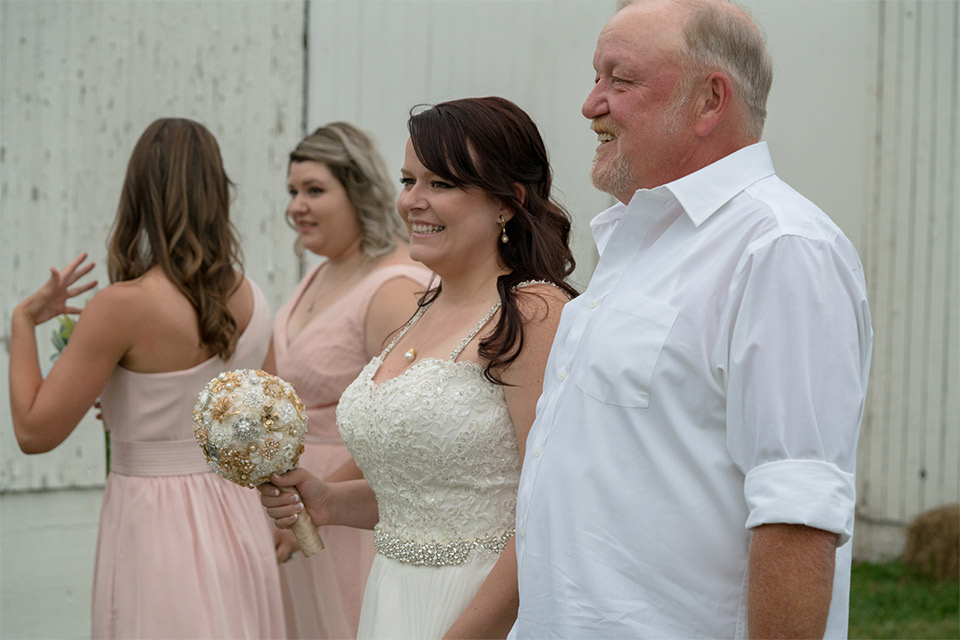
{"x": 493, "y": 145}
{"x": 174, "y": 212}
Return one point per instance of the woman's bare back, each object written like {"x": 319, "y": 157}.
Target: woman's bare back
{"x": 167, "y": 337}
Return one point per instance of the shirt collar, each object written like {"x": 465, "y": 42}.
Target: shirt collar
{"x": 703, "y": 192}
{"x": 700, "y": 193}
{"x": 609, "y": 216}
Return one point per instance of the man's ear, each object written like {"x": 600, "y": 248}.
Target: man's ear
{"x": 713, "y": 102}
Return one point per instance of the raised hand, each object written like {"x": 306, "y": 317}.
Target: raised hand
{"x": 50, "y": 300}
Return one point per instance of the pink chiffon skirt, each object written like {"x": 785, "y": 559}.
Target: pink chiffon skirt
{"x": 186, "y": 556}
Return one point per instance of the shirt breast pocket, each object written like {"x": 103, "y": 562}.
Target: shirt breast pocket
{"x": 621, "y": 352}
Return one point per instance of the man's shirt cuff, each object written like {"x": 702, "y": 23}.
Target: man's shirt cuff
{"x": 814, "y": 493}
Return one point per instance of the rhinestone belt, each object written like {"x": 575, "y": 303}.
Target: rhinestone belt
{"x": 451, "y": 553}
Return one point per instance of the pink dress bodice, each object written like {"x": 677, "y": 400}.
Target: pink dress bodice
{"x": 150, "y": 414}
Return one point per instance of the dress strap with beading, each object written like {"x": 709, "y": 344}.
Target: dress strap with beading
{"x": 456, "y": 352}
{"x": 526, "y": 283}
{"x": 463, "y": 344}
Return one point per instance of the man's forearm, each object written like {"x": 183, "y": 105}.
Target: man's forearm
{"x": 791, "y": 581}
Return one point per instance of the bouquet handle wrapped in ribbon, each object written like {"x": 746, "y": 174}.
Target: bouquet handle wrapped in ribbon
{"x": 249, "y": 425}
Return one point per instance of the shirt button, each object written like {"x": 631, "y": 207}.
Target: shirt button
{"x": 538, "y": 452}
{"x": 594, "y": 303}
{"x": 523, "y": 532}
{"x": 562, "y": 375}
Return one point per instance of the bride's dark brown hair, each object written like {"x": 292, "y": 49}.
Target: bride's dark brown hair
{"x": 174, "y": 212}
{"x": 493, "y": 145}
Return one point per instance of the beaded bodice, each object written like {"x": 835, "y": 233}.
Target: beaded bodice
{"x": 437, "y": 446}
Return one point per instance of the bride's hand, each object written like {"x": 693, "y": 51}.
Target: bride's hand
{"x": 285, "y": 496}
{"x": 50, "y": 300}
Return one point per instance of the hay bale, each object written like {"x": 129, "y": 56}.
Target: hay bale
{"x": 933, "y": 543}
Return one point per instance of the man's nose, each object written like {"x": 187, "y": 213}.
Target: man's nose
{"x": 594, "y": 105}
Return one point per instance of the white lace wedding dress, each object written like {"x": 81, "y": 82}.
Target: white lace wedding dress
{"x": 439, "y": 450}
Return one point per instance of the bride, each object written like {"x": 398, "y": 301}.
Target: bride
{"x": 438, "y": 421}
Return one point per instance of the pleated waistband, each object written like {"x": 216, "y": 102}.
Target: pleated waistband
{"x": 166, "y": 458}
{"x": 314, "y": 438}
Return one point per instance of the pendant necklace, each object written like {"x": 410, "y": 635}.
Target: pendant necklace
{"x": 411, "y": 354}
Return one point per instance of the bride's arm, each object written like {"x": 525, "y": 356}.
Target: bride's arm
{"x": 350, "y": 503}
{"x": 493, "y": 610}
{"x": 347, "y": 471}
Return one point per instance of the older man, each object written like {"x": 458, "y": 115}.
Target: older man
{"x": 691, "y": 469}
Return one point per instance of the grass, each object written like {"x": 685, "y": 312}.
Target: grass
{"x": 893, "y": 600}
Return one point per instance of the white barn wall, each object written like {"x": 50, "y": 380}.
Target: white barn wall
{"x": 370, "y": 61}
{"x": 822, "y": 52}
{"x": 910, "y": 444}
{"x": 863, "y": 120}
{"x": 80, "y": 81}
{"x": 863, "y": 104}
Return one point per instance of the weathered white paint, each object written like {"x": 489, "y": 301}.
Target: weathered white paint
{"x": 863, "y": 120}
{"x": 837, "y": 65}
{"x": 910, "y": 444}
{"x": 80, "y": 82}
{"x": 822, "y": 55}
{"x": 370, "y": 61}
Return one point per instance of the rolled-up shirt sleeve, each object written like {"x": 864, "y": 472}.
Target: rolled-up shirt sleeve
{"x": 797, "y": 361}
{"x": 808, "y": 492}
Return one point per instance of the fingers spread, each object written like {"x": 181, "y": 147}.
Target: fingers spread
{"x": 70, "y": 268}
{"x": 81, "y": 289}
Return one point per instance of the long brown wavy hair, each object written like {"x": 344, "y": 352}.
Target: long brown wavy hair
{"x": 493, "y": 145}
{"x": 174, "y": 212}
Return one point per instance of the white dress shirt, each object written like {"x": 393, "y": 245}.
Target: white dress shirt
{"x": 710, "y": 379}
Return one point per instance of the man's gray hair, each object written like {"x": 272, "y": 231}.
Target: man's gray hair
{"x": 721, "y": 36}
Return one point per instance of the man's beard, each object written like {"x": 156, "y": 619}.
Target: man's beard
{"x": 614, "y": 176}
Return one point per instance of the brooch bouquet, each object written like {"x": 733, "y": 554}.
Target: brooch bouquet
{"x": 249, "y": 425}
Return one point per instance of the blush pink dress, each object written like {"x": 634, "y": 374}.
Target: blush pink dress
{"x": 322, "y": 594}
{"x": 182, "y": 553}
